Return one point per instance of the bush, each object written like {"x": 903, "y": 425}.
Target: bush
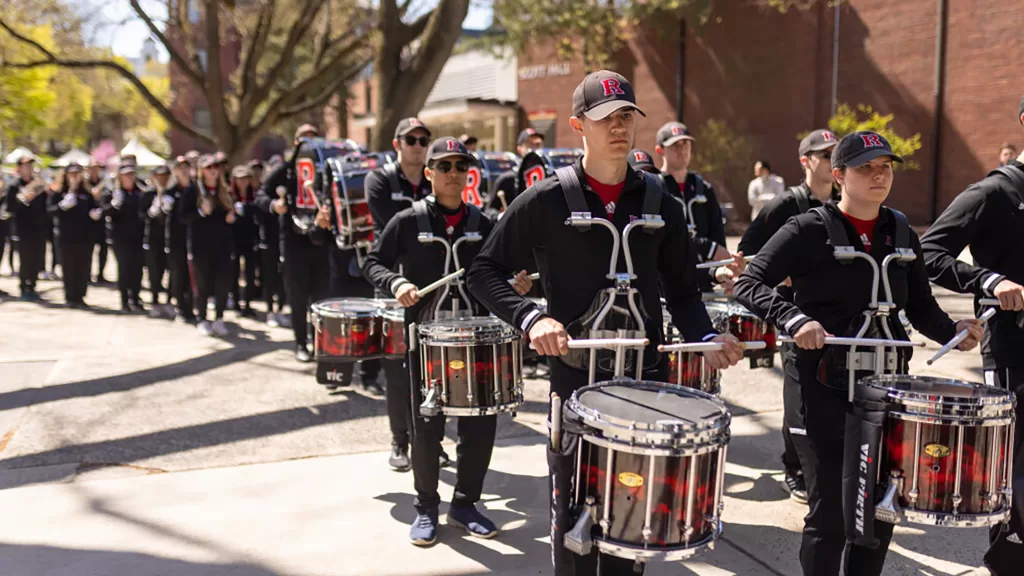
{"x": 847, "y": 120}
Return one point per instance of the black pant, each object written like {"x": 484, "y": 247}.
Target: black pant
{"x": 181, "y": 282}
{"x": 210, "y": 269}
{"x": 306, "y": 277}
{"x": 473, "y": 455}
{"x": 249, "y": 254}
{"x": 270, "y": 278}
{"x": 5, "y": 240}
{"x": 54, "y": 255}
{"x": 561, "y": 469}
{"x": 824, "y": 544}
{"x": 1004, "y": 556}
{"x": 156, "y": 266}
{"x": 793, "y": 430}
{"x": 129, "y": 256}
{"x": 101, "y": 244}
{"x": 76, "y": 263}
{"x": 32, "y": 259}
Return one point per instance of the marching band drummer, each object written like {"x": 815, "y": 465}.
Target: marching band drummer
{"x": 448, "y": 164}
{"x": 154, "y": 202}
{"x": 75, "y": 210}
{"x": 508, "y": 183}
{"x": 574, "y": 266}
{"x": 26, "y": 204}
{"x": 123, "y": 209}
{"x": 988, "y": 217}
{"x": 828, "y": 298}
{"x": 176, "y": 241}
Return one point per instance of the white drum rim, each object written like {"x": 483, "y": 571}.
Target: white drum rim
{"x": 934, "y": 408}
{"x": 459, "y": 333}
{"x": 319, "y": 307}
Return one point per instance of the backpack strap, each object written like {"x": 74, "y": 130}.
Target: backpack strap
{"x": 419, "y": 207}
{"x": 653, "y": 192}
{"x": 803, "y": 199}
{"x": 472, "y": 219}
{"x": 836, "y": 232}
{"x": 573, "y": 192}
{"x": 1016, "y": 178}
{"x": 391, "y": 173}
{"x": 902, "y": 229}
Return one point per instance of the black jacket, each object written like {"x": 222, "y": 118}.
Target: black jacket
{"x": 774, "y": 214}
{"x": 289, "y": 235}
{"x": 707, "y": 217}
{"x": 988, "y": 217}
{"x": 573, "y": 264}
{"x": 31, "y": 220}
{"x": 833, "y": 293}
{"x": 155, "y": 232}
{"x": 74, "y": 225}
{"x": 269, "y": 222}
{"x": 378, "y": 195}
{"x": 507, "y": 183}
{"x": 422, "y": 263}
{"x": 247, "y": 225}
{"x": 124, "y": 224}
{"x": 98, "y": 226}
{"x": 206, "y": 234}
{"x": 175, "y": 229}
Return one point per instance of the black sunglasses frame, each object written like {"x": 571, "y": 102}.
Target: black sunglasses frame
{"x": 413, "y": 140}
{"x": 446, "y": 166}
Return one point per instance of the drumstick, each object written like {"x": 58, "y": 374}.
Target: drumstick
{"x": 709, "y": 346}
{"x": 308, "y": 186}
{"x": 556, "y": 423}
{"x": 609, "y": 343}
{"x": 720, "y": 263}
{"x": 871, "y": 342}
{"x": 431, "y": 287}
{"x": 533, "y": 277}
{"x": 989, "y": 302}
{"x": 960, "y": 337}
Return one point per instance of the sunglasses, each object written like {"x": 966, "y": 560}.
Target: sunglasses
{"x": 460, "y": 166}
{"x": 414, "y": 140}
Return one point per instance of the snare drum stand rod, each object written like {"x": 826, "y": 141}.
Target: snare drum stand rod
{"x": 467, "y": 237}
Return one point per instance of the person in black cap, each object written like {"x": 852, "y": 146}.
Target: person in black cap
{"x": 508, "y": 183}
{"x": 448, "y": 164}
{"x": 157, "y": 202}
{"x": 574, "y": 269}
{"x": 97, "y": 183}
{"x": 257, "y": 168}
{"x": 389, "y": 190}
{"x": 305, "y": 251}
{"x": 176, "y": 240}
{"x": 675, "y": 145}
{"x": 123, "y": 209}
{"x": 246, "y": 238}
{"x": 833, "y": 298}
{"x": 641, "y": 160}
{"x": 26, "y": 204}
{"x": 988, "y": 217}
{"x": 469, "y": 141}
{"x": 208, "y": 211}
{"x": 817, "y": 188}
{"x": 74, "y": 210}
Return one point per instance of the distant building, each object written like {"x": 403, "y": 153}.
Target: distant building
{"x": 142, "y": 64}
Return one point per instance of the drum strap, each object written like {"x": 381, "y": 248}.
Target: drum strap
{"x": 419, "y": 207}
{"x": 573, "y": 192}
{"x": 803, "y": 199}
{"x": 1016, "y": 178}
{"x": 472, "y": 218}
{"x": 837, "y": 232}
{"x": 652, "y": 197}
{"x": 391, "y": 173}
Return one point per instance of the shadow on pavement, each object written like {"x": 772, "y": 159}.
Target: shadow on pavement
{"x": 53, "y": 561}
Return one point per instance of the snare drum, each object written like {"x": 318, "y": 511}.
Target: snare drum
{"x": 470, "y": 367}
{"x": 347, "y": 329}
{"x": 650, "y": 468}
{"x": 950, "y": 445}
{"x": 733, "y": 318}
{"x": 392, "y": 315}
{"x": 689, "y": 368}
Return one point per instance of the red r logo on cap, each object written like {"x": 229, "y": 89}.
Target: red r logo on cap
{"x": 640, "y": 156}
{"x": 828, "y": 136}
{"x": 611, "y": 86}
{"x": 414, "y": 122}
{"x": 871, "y": 140}
{"x": 677, "y": 130}
{"x": 453, "y": 145}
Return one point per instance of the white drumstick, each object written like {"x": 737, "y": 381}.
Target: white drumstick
{"x": 556, "y": 422}
{"x": 989, "y": 302}
{"x": 720, "y": 263}
{"x": 309, "y": 189}
{"x": 533, "y": 277}
{"x": 709, "y": 346}
{"x": 960, "y": 337}
{"x": 869, "y": 342}
{"x": 610, "y": 343}
{"x": 431, "y": 287}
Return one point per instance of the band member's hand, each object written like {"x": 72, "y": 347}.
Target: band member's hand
{"x": 206, "y": 206}
{"x": 522, "y": 283}
{"x": 548, "y": 337}
{"x": 323, "y": 217}
{"x": 721, "y": 253}
{"x": 97, "y": 193}
{"x": 726, "y": 277}
{"x": 975, "y": 330}
{"x": 279, "y": 206}
{"x": 788, "y": 282}
{"x": 811, "y": 336}
{"x": 738, "y": 264}
{"x": 1010, "y": 294}
{"x": 229, "y": 217}
{"x": 730, "y": 354}
{"x": 407, "y": 295}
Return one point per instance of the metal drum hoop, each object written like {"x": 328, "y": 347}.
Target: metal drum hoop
{"x": 320, "y": 309}
{"x": 674, "y": 554}
{"x": 957, "y": 520}
{"x": 457, "y": 333}
{"x": 937, "y": 409}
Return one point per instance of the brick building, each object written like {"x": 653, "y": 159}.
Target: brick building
{"x": 768, "y": 77}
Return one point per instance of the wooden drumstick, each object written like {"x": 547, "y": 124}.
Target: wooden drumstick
{"x": 308, "y": 186}
{"x": 556, "y": 422}
{"x": 504, "y": 204}
{"x": 434, "y": 286}
{"x": 989, "y": 302}
{"x": 960, "y": 337}
{"x": 533, "y": 277}
{"x": 709, "y": 346}
{"x": 720, "y": 263}
{"x": 869, "y": 342}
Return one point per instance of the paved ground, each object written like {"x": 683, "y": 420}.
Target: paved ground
{"x": 131, "y": 446}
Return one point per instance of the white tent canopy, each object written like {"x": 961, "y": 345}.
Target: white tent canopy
{"x": 17, "y": 154}
{"x": 72, "y": 156}
{"x": 143, "y": 156}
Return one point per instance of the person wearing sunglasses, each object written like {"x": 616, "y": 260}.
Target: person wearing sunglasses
{"x": 817, "y": 188}
{"x": 423, "y": 263}
{"x": 389, "y": 190}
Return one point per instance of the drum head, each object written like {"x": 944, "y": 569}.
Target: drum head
{"x": 651, "y": 404}
{"x": 467, "y": 331}
{"x": 937, "y": 389}
{"x": 347, "y": 307}
{"x": 391, "y": 309}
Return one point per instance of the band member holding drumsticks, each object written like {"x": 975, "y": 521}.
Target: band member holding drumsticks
{"x": 97, "y": 184}
{"x": 988, "y": 217}
{"x": 832, "y": 297}
{"x": 74, "y": 210}
{"x": 177, "y": 241}
{"x": 508, "y": 183}
{"x": 574, "y": 267}
{"x": 448, "y": 164}
{"x": 817, "y": 188}
{"x": 405, "y": 179}
{"x": 246, "y": 236}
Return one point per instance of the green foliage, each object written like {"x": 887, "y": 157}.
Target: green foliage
{"x": 25, "y": 95}
{"x": 723, "y": 154}
{"x": 848, "y": 120}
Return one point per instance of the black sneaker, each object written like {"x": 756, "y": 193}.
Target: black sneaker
{"x": 302, "y": 354}
{"x": 796, "y": 486}
{"x": 443, "y": 460}
{"x": 399, "y": 460}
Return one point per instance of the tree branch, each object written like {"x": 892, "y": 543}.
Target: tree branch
{"x": 256, "y": 48}
{"x": 321, "y": 100}
{"x": 178, "y": 59}
{"x": 214, "y": 80}
{"x": 416, "y": 28}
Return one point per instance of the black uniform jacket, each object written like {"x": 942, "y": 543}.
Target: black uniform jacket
{"x": 268, "y": 220}
{"x": 833, "y": 293}
{"x": 247, "y": 224}
{"x": 155, "y": 234}
{"x": 288, "y": 234}
{"x": 378, "y": 195}
{"x": 124, "y": 224}
{"x": 988, "y": 217}
{"x": 421, "y": 263}
{"x": 773, "y": 216}
{"x": 707, "y": 217}
{"x": 205, "y": 233}
{"x": 74, "y": 225}
{"x": 573, "y": 263}
{"x": 176, "y": 230}
{"x": 30, "y": 220}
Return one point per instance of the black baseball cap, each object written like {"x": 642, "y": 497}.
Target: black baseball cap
{"x": 640, "y": 160}
{"x": 126, "y": 168}
{"x": 161, "y": 169}
{"x": 671, "y": 133}
{"x": 73, "y": 168}
{"x": 602, "y": 93}
{"x": 817, "y": 141}
{"x": 447, "y": 147}
{"x": 407, "y": 125}
{"x": 526, "y": 135}
{"x": 859, "y": 148}
{"x": 305, "y": 129}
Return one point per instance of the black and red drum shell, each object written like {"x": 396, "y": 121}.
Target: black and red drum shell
{"x": 696, "y": 373}
{"x": 394, "y": 344}
{"x": 347, "y": 329}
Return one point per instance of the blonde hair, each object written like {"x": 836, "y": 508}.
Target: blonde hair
{"x": 223, "y": 194}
